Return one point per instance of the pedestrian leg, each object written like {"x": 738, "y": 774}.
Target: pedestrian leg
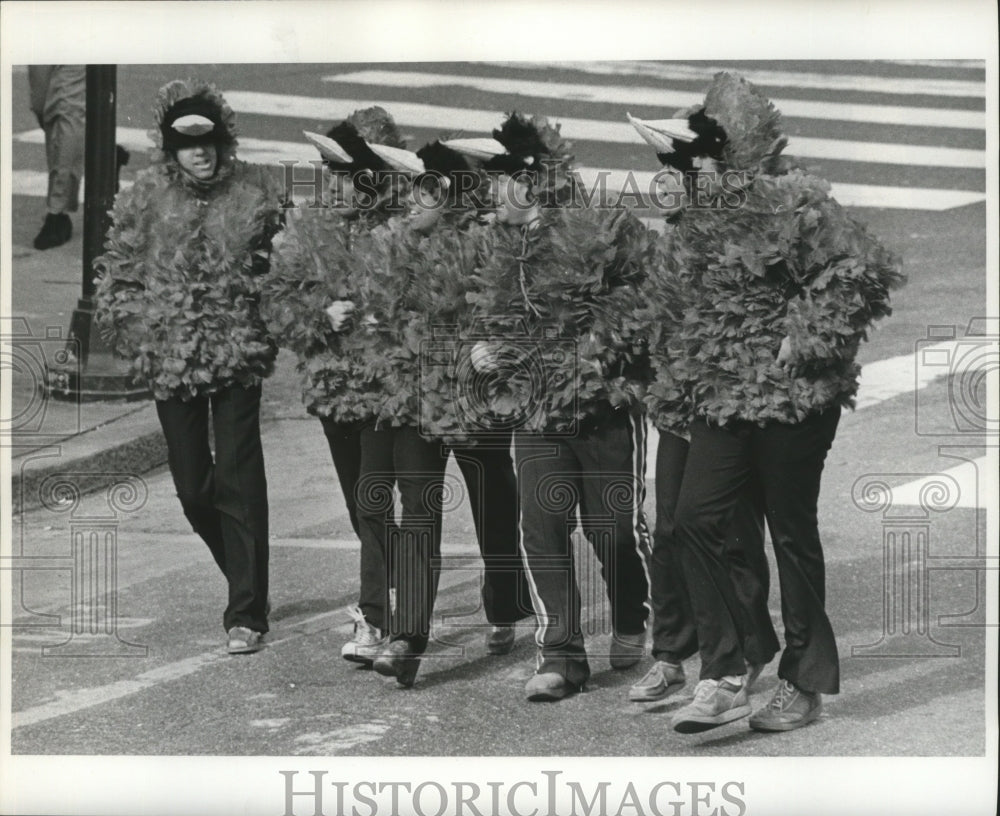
{"x": 241, "y": 498}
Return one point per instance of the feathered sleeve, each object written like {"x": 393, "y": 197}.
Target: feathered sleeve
{"x": 845, "y": 276}
{"x": 121, "y": 270}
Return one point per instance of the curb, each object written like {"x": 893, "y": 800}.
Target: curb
{"x": 90, "y": 461}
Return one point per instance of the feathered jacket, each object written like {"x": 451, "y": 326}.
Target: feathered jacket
{"x": 788, "y": 262}
{"x": 568, "y": 288}
{"x": 319, "y": 261}
{"x": 178, "y": 291}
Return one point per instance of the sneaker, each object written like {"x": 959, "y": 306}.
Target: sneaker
{"x": 753, "y": 672}
{"x": 549, "y": 686}
{"x": 243, "y": 640}
{"x": 56, "y": 230}
{"x": 500, "y": 640}
{"x": 398, "y": 660}
{"x": 715, "y": 703}
{"x": 662, "y": 680}
{"x": 368, "y": 641}
{"x": 789, "y": 708}
{"x": 627, "y": 650}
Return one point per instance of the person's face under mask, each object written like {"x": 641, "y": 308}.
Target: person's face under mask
{"x": 199, "y": 161}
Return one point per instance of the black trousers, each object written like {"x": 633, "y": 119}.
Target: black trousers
{"x": 600, "y": 473}
{"x": 675, "y": 636}
{"x": 402, "y": 556}
{"x": 786, "y": 460}
{"x": 488, "y": 471}
{"x": 225, "y": 499}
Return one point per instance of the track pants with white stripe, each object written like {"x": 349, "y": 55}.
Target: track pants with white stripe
{"x": 599, "y": 472}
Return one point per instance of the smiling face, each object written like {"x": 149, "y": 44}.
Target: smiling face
{"x": 200, "y": 161}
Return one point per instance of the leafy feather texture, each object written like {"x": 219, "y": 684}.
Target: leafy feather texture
{"x": 790, "y": 262}
{"x": 180, "y": 89}
{"x": 751, "y": 121}
{"x": 178, "y": 286}
{"x": 570, "y": 289}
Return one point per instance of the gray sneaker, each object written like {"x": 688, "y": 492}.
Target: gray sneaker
{"x": 662, "y": 680}
{"x": 789, "y": 708}
{"x": 715, "y": 703}
{"x": 368, "y": 641}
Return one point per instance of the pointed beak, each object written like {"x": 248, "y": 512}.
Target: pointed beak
{"x": 660, "y": 133}
{"x": 328, "y": 149}
{"x": 405, "y": 161}
{"x": 481, "y": 149}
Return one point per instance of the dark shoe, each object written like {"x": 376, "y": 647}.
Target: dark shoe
{"x": 398, "y": 660}
{"x": 368, "y": 641}
{"x": 662, "y": 680}
{"x": 56, "y": 231}
{"x": 627, "y": 650}
{"x": 243, "y": 640}
{"x": 715, "y": 703}
{"x": 789, "y": 708}
{"x": 549, "y": 686}
{"x": 500, "y": 640}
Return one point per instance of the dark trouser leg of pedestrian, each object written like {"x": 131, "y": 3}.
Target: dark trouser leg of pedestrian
{"x": 717, "y": 472}
{"x": 185, "y": 428}
{"x": 375, "y": 502}
{"x": 344, "y": 440}
{"x": 790, "y": 461}
{"x": 549, "y": 489}
{"x": 612, "y": 460}
{"x": 488, "y": 471}
{"x": 751, "y": 576}
{"x": 241, "y": 498}
{"x": 419, "y": 465}
{"x": 674, "y": 635}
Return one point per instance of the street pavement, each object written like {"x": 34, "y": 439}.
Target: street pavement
{"x": 903, "y": 144}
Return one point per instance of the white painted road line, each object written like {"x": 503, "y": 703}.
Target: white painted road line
{"x": 667, "y": 98}
{"x": 849, "y": 195}
{"x": 444, "y": 119}
{"x": 971, "y": 485}
{"x": 787, "y": 79}
{"x": 261, "y": 151}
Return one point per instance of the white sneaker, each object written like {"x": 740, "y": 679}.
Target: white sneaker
{"x": 367, "y": 642}
{"x": 715, "y": 703}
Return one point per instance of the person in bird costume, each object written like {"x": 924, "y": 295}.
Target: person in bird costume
{"x": 780, "y": 286}
{"x": 558, "y": 292}
{"x": 317, "y": 268}
{"x": 178, "y": 297}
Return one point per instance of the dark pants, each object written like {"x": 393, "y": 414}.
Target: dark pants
{"x": 675, "y": 636}
{"x": 400, "y": 556}
{"x": 344, "y": 441}
{"x": 599, "y": 472}
{"x": 226, "y": 499}
{"x": 786, "y": 461}
{"x": 488, "y": 471}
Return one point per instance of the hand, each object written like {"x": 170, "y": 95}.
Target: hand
{"x": 338, "y": 312}
{"x": 785, "y": 352}
{"x": 485, "y": 357}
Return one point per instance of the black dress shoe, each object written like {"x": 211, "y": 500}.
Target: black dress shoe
{"x": 398, "y": 660}
{"x": 56, "y": 231}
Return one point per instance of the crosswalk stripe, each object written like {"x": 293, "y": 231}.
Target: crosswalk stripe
{"x": 33, "y": 183}
{"x": 912, "y": 86}
{"x": 444, "y": 119}
{"x": 849, "y": 195}
{"x": 666, "y": 98}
